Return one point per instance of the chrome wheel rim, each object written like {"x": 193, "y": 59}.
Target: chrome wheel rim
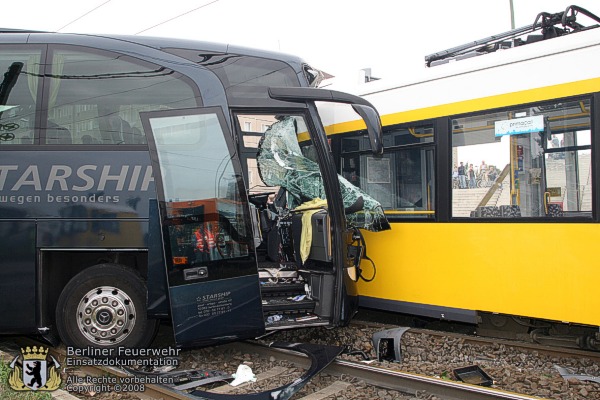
{"x": 106, "y": 315}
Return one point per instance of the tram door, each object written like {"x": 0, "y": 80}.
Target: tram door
{"x": 211, "y": 268}
{"x": 551, "y": 170}
{"x": 568, "y": 173}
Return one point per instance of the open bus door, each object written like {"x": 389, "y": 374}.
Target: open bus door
{"x": 211, "y": 269}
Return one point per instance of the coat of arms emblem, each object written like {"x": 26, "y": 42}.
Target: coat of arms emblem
{"x": 35, "y": 372}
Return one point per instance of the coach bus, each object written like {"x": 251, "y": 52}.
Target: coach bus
{"x": 145, "y": 178}
{"x": 489, "y": 181}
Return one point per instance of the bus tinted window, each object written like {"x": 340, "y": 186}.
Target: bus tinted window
{"x": 18, "y": 93}
{"x": 95, "y": 98}
{"x": 236, "y": 70}
{"x": 525, "y": 162}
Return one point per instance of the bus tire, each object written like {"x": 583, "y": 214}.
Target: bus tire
{"x": 104, "y": 306}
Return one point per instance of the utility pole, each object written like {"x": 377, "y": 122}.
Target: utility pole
{"x": 512, "y": 15}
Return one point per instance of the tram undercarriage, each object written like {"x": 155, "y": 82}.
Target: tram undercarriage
{"x": 551, "y": 333}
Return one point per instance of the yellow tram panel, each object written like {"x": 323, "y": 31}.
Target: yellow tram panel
{"x": 543, "y": 270}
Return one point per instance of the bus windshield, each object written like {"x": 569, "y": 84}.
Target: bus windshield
{"x": 283, "y": 162}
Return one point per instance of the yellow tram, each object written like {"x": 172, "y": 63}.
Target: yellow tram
{"x": 489, "y": 182}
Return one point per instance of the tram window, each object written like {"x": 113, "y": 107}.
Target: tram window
{"x": 530, "y": 162}
{"x": 402, "y": 180}
{"x": 19, "y": 70}
{"x": 392, "y": 137}
{"x": 96, "y": 98}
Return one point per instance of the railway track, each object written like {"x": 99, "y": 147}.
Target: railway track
{"x": 399, "y": 381}
{"x": 342, "y": 374}
{"x": 553, "y": 351}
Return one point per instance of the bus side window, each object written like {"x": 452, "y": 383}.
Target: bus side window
{"x": 19, "y": 73}
{"x": 97, "y": 97}
{"x": 56, "y": 134}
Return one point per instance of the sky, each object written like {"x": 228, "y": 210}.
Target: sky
{"x": 339, "y": 37}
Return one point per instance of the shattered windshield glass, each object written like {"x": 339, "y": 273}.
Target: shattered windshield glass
{"x": 281, "y": 163}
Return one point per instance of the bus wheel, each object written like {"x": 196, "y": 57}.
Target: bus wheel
{"x": 105, "y": 306}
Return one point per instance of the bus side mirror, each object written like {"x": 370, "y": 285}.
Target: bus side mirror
{"x": 360, "y": 105}
{"x": 371, "y": 118}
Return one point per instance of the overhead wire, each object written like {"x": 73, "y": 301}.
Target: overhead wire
{"x": 144, "y": 30}
{"x": 177, "y": 16}
{"x": 83, "y": 15}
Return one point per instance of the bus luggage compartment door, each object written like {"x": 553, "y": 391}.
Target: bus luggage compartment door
{"x": 207, "y": 239}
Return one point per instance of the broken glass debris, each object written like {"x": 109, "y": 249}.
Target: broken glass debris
{"x": 282, "y": 163}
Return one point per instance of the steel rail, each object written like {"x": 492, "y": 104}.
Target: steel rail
{"x": 394, "y": 380}
{"x": 400, "y": 381}
{"x": 151, "y": 390}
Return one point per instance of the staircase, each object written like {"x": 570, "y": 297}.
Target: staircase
{"x": 466, "y": 200}
{"x": 285, "y": 300}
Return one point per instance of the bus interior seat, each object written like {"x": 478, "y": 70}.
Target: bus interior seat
{"x": 270, "y": 222}
{"x": 120, "y": 130}
{"x": 274, "y": 230}
{"x": 256, "y": 230}
{"x": 56, "y": 134}
{"x": 267, "y": 220}
{"x": 511, "y": 211}
{"x": 504, "y": 211}
{"x": 319, "y": 244}
{"x": 555, "y": 210}
{"x": 137, "y": 136}
{"x": 88, "y": 139}
{"x": 489, "y": 212}
{"x": 26, "y": 140}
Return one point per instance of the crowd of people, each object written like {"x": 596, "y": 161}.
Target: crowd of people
{"x": 467, "y": 176}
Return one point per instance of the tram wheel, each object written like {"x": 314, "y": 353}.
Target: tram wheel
{"x": 105, "y": 306}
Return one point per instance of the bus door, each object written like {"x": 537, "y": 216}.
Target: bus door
{"x": 207, "y": 237}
